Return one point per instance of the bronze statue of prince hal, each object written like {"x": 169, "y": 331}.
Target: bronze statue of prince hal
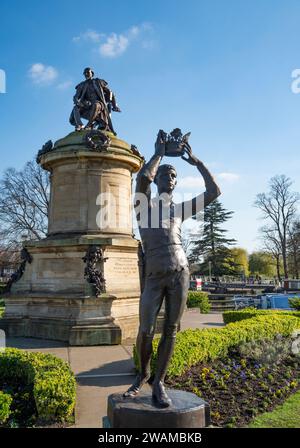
{"x": 166, "y": 273}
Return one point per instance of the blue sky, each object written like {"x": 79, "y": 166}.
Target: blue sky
{"x": 221, "y": 70}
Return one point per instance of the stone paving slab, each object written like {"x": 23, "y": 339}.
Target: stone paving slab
{"x": 192, "y": 318}
{"x": 101, "y": 360}
{"x": 92, "y": 399}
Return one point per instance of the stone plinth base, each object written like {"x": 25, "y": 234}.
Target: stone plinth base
{"x": 78, "y": 321}
{"x": 64, "y": 290}
{"x": 187, "y": 411}
{"x": 59, "y": 330}
{"x": 54, "y": 300}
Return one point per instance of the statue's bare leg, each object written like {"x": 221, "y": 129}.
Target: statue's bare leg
{"x": 150, "y": 304}
{"x": 144, "y": 349}
{"x": 175, "y": 300}
{"x": 165, "y": 351}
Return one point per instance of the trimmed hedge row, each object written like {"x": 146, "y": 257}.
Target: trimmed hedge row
{"x": 54, "y": 385}
{"x": 194, "y": 346}
{"x": 5, "y": 402}
{"x": 295, "y": 303}
{"x": 198, "y": 299}
{"x": 248, "y": 313}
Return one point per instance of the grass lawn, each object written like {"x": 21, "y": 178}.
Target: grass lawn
{"x": 1, "y": 310}
{"x": 286, "y": 415}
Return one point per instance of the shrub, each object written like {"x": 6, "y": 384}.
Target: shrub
{"x": 295, "y": 303}
{"x": 265, "y": 353}
{"x": 194, "y": 346}
{"x": 5, "y": 402}
{"x": 198, "y": 299}
{"x": 248, "y": 313}
{"x": 54, "y": 386}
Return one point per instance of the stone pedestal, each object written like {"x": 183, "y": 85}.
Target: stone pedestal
{"x": 90, "y": 206}
{"x": 187, "y": 411}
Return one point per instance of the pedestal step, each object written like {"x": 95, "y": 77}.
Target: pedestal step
{"x": 187, "y": 411}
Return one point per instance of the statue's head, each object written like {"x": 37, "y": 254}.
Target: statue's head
{"x": 166, "y": 179}
{"x": 88, "y": 73}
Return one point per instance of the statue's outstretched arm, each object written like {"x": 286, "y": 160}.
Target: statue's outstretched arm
{"x": 149, "y": 170}
{"x": 197, "y": 204}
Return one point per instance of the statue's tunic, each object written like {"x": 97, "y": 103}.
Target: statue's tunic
{"x": 162, "y": 245}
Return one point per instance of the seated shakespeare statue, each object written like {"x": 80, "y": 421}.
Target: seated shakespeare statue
{"x": 93, "y": 101}
{"x": 165, "y": 266}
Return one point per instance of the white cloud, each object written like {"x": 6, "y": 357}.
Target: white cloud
{"x": 134, "y": 31}
{"x": 115, "y": 44}
{"x": 89, "y": 35}
{"x": 228, "y": 177}
{"x": 64, "y": 85}
{"x": 42, "y": 74}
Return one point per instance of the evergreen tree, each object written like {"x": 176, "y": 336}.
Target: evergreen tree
{"x": 213, "y": 246}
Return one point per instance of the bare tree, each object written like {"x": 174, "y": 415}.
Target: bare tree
{"x": 294, "y": 248}
{"x": 279, "y": 207}
{"x": 272, "y": 246}
{"x": 24, "y": 204}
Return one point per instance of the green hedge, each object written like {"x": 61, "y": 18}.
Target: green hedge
{"x": 248, "y": 313}
{"x": 54, "y": 385}
{"x": 2, "y": 307}
{"x": 5, "y": 402}
{"x": 198, "y": 299}
{"x": 194, "y": 346}
{"x": 295, "y": 303}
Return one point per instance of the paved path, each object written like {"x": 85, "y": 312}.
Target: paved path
{"x": 103, "y": 370}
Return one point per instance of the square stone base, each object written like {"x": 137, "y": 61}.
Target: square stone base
{"x": 81, "y": 335}
{"x": 78, "y": 321}
{"x": 54, "y": 300}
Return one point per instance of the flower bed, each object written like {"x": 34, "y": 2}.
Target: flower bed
{"x": 194, "y": 346}
{"x": 242, "y": 369}
{"x": 42, "y": 387}
{"x": 286, "y": 415}
{"x": 245, "y": 383}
